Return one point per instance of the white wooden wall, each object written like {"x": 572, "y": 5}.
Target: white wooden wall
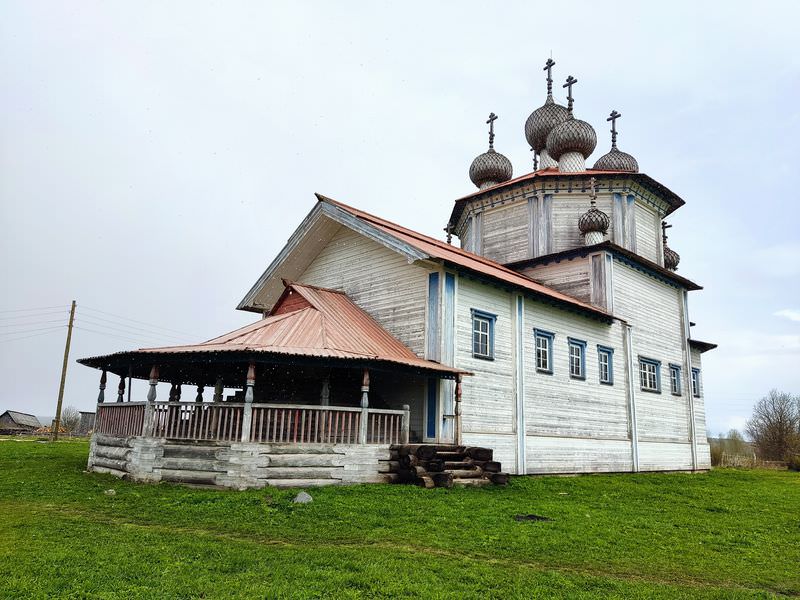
{"x": 653, "y": 308}
{"x": 505, "y": 232}
{"x": 568, "y": 276}
{"x": 378, "y": 280}
{"x": 703, "y": 449}
{"x": 648, "y": 233}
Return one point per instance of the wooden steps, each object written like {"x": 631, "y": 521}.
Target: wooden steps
{"x": 441, "y": 465}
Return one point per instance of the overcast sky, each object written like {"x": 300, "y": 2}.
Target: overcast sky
{"x": 155, "y": 157}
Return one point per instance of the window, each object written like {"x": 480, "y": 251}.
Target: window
{"x": 696, "y": 383}
{"x": 577, "y": 358}
{"x": 605, "y": 361}
{"x": 650, "y": 375}
{"x": 675, "y": 379}
{"x": 544, "y": 351}
{"x": 483, "y": 334}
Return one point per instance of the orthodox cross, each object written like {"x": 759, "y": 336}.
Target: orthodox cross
{"x": 570, "y": 82}
{"x": 613, "y": 118}
{"x": 490, "y": 122}
{"x": 548, "y": 66}
{"x": 593, "y": 193}
{"x": 664, "y": 228}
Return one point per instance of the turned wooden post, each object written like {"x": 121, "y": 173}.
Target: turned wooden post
{"x": 406, "y": 423}
{"x": 457, "y": 433}
{"x": 149, "y": 408}
{"x": 175, "y": 392}
{"x": 200, "y": 389}
{"x": 364, "y": 422}
{"x": 218, "y": 390}
{"x": 121, "y": 389}
{"x": 102, "y": 395}
{"x": 325, "y": 393}
{"x": 247, "y": 414}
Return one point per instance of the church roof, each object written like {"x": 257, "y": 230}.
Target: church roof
{"x": 306, "y": 321}
{"x": 474, "y": 263}
{"x": 645, "y": 181}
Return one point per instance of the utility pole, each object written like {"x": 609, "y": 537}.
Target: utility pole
{"x": 57, "y": 423}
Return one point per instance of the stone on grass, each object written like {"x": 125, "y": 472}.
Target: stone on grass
{"x": 303, "y": 498}
{"x": 110, "y": 492}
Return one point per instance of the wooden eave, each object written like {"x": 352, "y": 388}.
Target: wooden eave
{"x": 702, "y": 346}
{"x": 638, "y": 262}
{"x": 572, "y": 181}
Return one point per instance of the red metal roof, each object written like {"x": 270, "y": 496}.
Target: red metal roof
{"x": 320, "y": 323}
{"x": 467, "y": 260}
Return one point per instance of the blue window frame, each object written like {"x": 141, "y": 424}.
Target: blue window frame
{"x": 577, "y": 358}
{"x": 483, "y": 334}
{"x": 605, "y": 363}
{"x": 696, "y": 383}
{"x": 675, "y": 379}
{"x": 543, "y": 342}
{"x": 650, "y": 375}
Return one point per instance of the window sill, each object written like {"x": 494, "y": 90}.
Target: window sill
{"x": 678, "y": 394}
{"x": 482, "y": 357}
{"x": 650, "y": 391}
{"x": 544, "y": 371}
{"x": 578, "y": 377}
{"x": 606, "y": 383}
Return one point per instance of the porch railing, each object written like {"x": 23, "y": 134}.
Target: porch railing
{"x": 263, "y": 423}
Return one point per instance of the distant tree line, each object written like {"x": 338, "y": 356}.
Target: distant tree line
{"x": 774, "y": 427}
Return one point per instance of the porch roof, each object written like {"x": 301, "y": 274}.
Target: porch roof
{"x": 307, "y": 321}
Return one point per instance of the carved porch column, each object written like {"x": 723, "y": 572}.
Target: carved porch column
{"x": 121, "y": 389}
{"x": 149, "y": 408}
{"x": 102, "y": 395}
{"x": 362, "y": 430}
{"x": 247, "y": 415}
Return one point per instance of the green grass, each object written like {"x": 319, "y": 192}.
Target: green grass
{"x": 726, "y": 534}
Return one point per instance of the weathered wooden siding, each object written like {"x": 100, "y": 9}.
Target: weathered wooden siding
{"x": 568, "y": 276}
{"x": 577, "y": 455}
{"x": 505, "y": 232}
{"x": 665, "y": 456}
{"x": 488, "y": 396}
{"x": 567, "y": 210}
{"x": 647, "y": 233}
{"x": 703, "y": 449}
{"x": 653, "y": 308}
{"x": 378, "y": 280}
{"x": 566, "y": 418}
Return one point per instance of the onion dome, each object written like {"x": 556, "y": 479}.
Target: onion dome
{"x": 594, "y": 223}
{"x": 616, "y": 160}
{"x": 543, "y": 119}
{"x": 671, "y": 258}
{"x": 491, "y": 167}
{"x": 573, "y": 139}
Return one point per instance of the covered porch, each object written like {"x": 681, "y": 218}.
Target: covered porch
{"x": 318, "y": 378}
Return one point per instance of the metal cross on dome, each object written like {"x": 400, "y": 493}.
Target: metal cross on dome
{"x": 664, "y": 228}
{"x": 613, "y": 118}
{"x": 492, "y": 118}
{"x": 570, "y": 82}
{"x": 548, "y": 66}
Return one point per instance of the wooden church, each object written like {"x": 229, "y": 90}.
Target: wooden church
{"x": 557, "y": 335}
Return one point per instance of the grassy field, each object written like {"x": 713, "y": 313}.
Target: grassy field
{"x": 726, "y": 534}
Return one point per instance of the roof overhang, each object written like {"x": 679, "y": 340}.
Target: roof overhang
{"x": 638, "y": 262}
{"x": 554, "y": 180}
{"x": 702, "y": 346}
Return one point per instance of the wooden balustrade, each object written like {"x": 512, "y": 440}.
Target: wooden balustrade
{"x": 120, "y": 420}
{"x": 271, "y": 423}
{"x": 184, "y": 421}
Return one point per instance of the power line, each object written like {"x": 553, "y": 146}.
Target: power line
{"x": 113, "y": 335}
{"x": 148, "y": 331}
{"x": 135, "y": 321}
{"x": 32, "y": 330}
{"x": 35, "y": 316}
{"x": 29, "y": 336}
{"x": 31, "y": 323}
{"x": 32, "y": 309}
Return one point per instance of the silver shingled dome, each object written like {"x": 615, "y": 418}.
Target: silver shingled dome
{"x": 616, "y": 160}
{"x": 542, "y": 121}
{"x": 490, "y": 168}
{"x": 594, "y": 219}
{"x": 573, "y": 135}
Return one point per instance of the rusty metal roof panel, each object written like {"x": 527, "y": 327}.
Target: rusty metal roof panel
{"x": 473, "y": 262}
{"x": 330, "y": 325}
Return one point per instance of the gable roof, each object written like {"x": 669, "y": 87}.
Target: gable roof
{"x": 417, "y": 246}
{"x": 23, "y": 418}
{"x": 671, "y": 198}
{"x": 312, "y": 322}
